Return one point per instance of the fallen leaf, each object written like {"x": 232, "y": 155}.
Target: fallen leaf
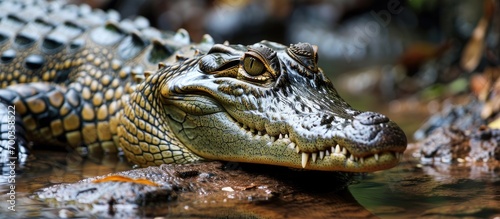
{"x": 118, "y": 178}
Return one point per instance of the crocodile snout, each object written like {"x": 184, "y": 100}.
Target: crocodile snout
{"x": 372, "y": 132}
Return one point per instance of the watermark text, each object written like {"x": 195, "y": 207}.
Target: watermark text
{"x": 10, "y": 163}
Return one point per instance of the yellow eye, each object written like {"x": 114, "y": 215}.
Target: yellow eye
{"x": 253, "y": 66}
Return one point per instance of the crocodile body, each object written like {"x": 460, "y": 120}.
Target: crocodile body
{"x": 82, "y": 79}
{"x": 65, "y": 69}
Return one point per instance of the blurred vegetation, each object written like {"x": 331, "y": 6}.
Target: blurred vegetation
{"x": 404, "y": 53}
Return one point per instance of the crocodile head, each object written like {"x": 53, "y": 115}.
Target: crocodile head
{"x": 265, "y": 103}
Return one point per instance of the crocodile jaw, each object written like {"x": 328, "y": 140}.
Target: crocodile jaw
{"x": 238, "y": 143}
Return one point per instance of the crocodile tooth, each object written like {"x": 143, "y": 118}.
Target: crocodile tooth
{"x": 286, "y": 135}
{"x": 337, "y": 149}
{"x": 328, "y": 153}
{"x": 362, "y": 160}
{"x": 281, "y": 136}
{"x": 344, "y": 151}
{"x": 314, "y": 156}
{"x": 351, "y": 157}
{"x": 297, "y": 149}
{"x": 291, "y": 145}
{"x": 321, "y": 155}
{"x": 259, "y": 133}
{"x": 305, "y": 157}
{"x": 376, "y": 156}
{"x": 273, "y": 139}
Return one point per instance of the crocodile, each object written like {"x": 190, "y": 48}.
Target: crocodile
{"x": 80, "y": 78}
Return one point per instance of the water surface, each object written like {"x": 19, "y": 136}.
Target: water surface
{"x": 407, "y": 191}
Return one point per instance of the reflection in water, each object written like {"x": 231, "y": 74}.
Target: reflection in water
{"x": 407, "y": 191}
{"x": 438, "y": 190}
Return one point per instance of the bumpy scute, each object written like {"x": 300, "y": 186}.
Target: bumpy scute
{"x": 66, "y": 68}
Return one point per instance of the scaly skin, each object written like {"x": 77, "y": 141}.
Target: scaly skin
{"x": 75, "y": 77}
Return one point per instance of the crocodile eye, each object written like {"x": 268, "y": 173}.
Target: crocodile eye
{"x": 253, "y": 66}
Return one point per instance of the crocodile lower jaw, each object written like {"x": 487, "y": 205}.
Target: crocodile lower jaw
{"x": 355, "y": 164}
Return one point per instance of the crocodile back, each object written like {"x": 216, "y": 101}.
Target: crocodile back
{"x": 67, "y": 68}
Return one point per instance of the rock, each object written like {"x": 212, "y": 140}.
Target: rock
{"x": 210, "y": 189}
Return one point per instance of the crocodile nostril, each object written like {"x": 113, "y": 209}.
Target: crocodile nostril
{"x": 371, "y": 118}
